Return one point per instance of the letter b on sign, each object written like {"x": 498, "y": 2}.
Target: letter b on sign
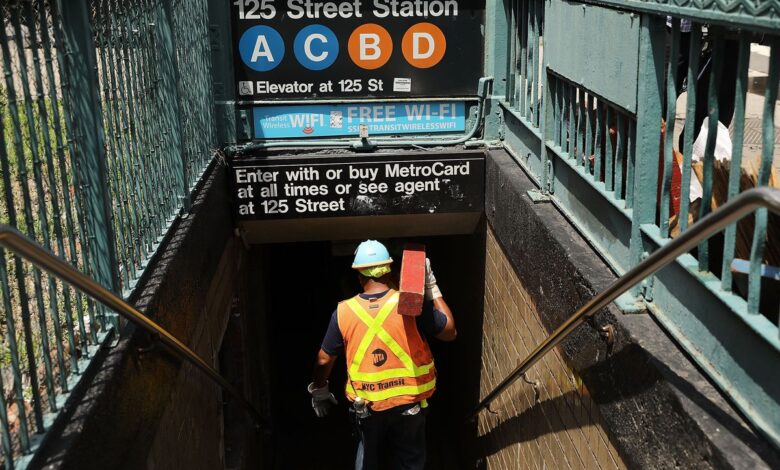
{"x": 424, "y": 45}
{"x": 370, "y": 46}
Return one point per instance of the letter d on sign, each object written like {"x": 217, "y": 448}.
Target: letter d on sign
{"x": 423, "y": 45}
{"x": 370, "y": 46}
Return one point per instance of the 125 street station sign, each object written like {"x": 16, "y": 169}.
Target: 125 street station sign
{"x": 296, "y": 49}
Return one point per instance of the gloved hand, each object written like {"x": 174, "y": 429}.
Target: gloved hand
{"x": 321, "y": 399}
{"x": 432, "y": 291}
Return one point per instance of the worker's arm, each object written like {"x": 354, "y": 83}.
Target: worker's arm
{"x": 432, "y": 292}
{"x": 448, "y": 333}
{"x": 332, "y": 344}
{"x": 322, "y": 368}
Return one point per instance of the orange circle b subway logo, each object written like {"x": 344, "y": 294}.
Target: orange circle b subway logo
{"x": 379, "y": 357}
{"x": 370, "y": 46}
{"x": 423, "y": 45}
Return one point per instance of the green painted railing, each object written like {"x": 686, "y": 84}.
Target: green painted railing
{"x": 106, "y": 126}
{"x": 582, "y": 89}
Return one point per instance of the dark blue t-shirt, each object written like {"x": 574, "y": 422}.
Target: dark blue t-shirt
{"x": 429, "y": 323}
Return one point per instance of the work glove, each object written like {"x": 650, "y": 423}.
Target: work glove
{"x": 321, "y": 399}
{"x": 432, "y": 291}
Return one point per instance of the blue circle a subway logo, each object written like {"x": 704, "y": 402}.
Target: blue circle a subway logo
{"x": 316, "y": 47}
{"x": 261, "y": 48}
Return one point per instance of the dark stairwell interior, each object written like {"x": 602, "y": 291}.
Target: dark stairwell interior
{"x": 291, "y": 291}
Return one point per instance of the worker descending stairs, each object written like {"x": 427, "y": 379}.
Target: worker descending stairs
{"x": 390, "y": 371}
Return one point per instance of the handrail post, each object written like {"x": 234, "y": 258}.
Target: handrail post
{"x": 648, "y": 118}
{"x": 81, "y": 69}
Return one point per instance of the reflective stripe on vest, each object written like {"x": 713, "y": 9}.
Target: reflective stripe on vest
{"x": 375, "y": 329}
{"x": 393, "y": 392}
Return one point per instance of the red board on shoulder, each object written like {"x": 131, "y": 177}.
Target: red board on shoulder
{"x": 412, "y": 282}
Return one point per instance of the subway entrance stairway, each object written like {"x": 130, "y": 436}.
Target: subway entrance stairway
{"x": 183, "y": 184}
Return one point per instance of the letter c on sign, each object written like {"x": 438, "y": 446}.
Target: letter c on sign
{"x": 423, "y": 45}
{"x": 316, "y": 47}
{"x": 370, "y": 46}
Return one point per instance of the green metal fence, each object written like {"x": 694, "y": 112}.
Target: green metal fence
{"x": 106, "y": 126}
{"x": 584, "y": 90}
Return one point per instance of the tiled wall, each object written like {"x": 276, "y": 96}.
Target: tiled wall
{"x": 558, "y": 427}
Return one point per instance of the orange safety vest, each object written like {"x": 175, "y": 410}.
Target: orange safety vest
{"x": 388, "y": 362}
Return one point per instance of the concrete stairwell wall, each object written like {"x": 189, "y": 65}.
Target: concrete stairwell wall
{"x": 139, "y": 407}
{"x": 636, "y": 402}
{"x": 556, "y": 423}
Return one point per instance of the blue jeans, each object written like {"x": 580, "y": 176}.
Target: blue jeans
{"x": 394, "y": 436}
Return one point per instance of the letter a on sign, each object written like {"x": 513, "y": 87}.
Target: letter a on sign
{"x": 262, "y": 50}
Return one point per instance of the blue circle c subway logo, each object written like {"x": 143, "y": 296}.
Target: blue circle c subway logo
{"x": 261, "y": 48}
{"x": 316, "y": 47}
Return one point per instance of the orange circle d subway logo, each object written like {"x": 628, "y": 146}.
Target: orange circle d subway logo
{"x": 423, "y": 45}
{"x": 370, "y": 46}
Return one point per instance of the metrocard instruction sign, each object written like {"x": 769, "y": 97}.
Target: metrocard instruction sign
{"x": 307, "y": 49}
{"x": 324, "y": 187}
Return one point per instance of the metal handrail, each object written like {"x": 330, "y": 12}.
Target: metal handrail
{"x": 731, "y": 212}
{"x": 47, "y": 261}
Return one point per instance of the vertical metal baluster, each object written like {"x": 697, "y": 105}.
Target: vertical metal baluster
{"x": 10, "y": 321}
{"x": 523, "y": 98}
{"x": 70, "y": 232}
{"x": 552, "y": 82}
{"x": 518, "y": 57}
{"x": 163, "y": 144}
{"x": 23, "y": 180}
{"x": 735, "y": 171}
{"x": 630, "y": 160}
{"x": 134, "y": 116}
{"x": 535, "y": 93}
{"x": 8, "y": 451}
{"x": 62, "y": 58}
{"x": 509, "y": 95}
{"x": 148, "y": 51}
{"x": 619, "y": 155}
{"x": 598, "y": 128}
{"x": 767, "y": 150}
{"x": 130, "y": 156}
{"x": 561, "y": 123}
{"x": 588, "y": 132}
{"x": 671, "y": 111}
{"x": 609, "y": 168}
{"x": 581, "y": 129}
{"x": 45, "y": 126}
{"x": 129, "y": 219}
{"x": 117, "y": 214}
{"x": 573, "y": 122}
{"x": 690, "y": 124}
{"x": 709, "y": 149}
{"x": 533, "y": 60}
{"x": 570, "y": 113}
{"x": 136, "y": 72}
{"x": 128, "y": 225}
